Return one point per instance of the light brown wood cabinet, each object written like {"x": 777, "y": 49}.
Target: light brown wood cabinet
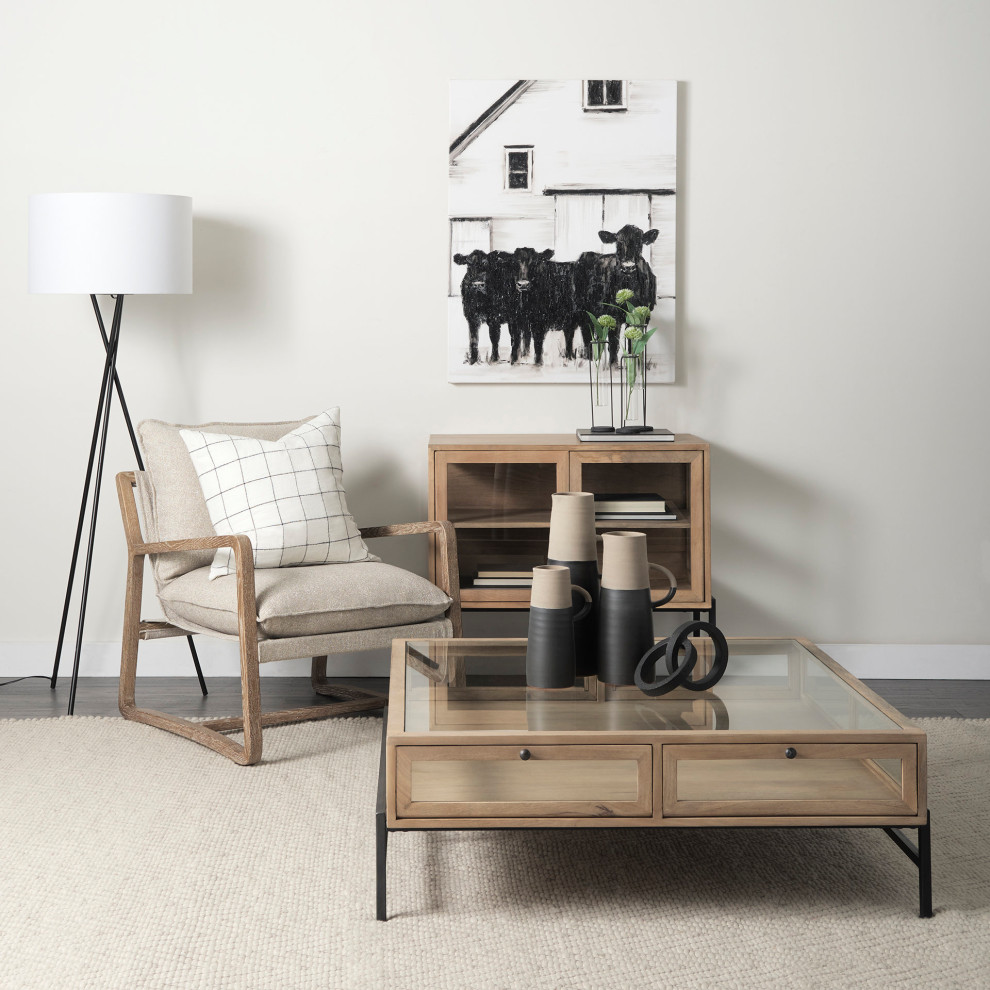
{"x": 496, "y": 490}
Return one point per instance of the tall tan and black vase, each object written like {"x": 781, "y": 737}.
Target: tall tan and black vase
{"x": 625, "y": 629}
{"x": 572, "y": 543}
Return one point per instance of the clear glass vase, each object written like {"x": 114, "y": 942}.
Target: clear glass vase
{"x": 600, "y": 371}
{"x": 633, "y": 390}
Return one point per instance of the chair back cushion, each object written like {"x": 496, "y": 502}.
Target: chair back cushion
{"x": 286, "y": 495}
{"x": 176, "y": 508}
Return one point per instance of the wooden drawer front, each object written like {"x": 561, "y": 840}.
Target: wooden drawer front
{"x": 493, "y": 782}
{"x": 759, "y": 780}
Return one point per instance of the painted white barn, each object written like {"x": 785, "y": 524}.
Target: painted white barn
{"x": 551, "y": 163}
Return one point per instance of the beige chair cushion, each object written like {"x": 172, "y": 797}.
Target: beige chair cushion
{"x": 177, "y": 509}
{"x": 305, "y": 601}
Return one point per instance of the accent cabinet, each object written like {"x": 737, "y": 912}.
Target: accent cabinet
{"x": 496, "y": 490}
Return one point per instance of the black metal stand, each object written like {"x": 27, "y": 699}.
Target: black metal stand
{"x": 696, "y": 612}
{"x": 920, "y": 855}
{"x": 97, "y": 452}
{"x": 381, "y": 833}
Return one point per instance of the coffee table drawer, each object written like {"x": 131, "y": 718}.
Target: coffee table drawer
{"x": 827, "y": 780}
{"x": 523, "y": 782}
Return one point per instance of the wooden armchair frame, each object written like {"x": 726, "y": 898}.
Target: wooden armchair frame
{"x": 208, "y": 733}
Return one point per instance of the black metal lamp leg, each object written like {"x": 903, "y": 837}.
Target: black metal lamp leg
{"x": 140, "y": 464}
{"x": 94, "y": 512}
{"x": 199, "y": 670}
{"x": 85, "y": 497}
{"x": 82, "y": 515}
{"x": 116, "y": 384}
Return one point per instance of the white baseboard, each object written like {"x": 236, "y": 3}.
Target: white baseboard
{"x": 170, "y": 658}
{"x": 911, "y": 661}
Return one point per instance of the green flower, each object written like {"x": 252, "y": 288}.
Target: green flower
{"x": 633, "y": 333}
{"x": 606, "y": 322}
{"x": 641, "y": 315}
{"x": 623, "y": 296}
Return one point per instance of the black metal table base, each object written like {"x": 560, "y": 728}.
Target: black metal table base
{"x": 91, "y": 488}
{"x": 920, "y": 854}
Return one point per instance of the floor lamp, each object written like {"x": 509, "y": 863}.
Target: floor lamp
{"x": 115, "y": 244}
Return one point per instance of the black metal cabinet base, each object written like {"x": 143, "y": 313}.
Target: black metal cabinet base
{"x": 920, "y": 854}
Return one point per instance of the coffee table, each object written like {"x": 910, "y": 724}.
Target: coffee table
{"x": 787, "y": 738}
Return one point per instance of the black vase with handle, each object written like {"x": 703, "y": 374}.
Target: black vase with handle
{"x": 625, "y": 624}
{"x": 572, "y": 545}
{"x": 584, "y": 575}
{"x": 552, "y": 618}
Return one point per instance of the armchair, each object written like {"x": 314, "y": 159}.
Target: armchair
{"x": 273, "y": 613}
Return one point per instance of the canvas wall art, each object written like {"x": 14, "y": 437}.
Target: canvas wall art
{"x": 560, "y": 194}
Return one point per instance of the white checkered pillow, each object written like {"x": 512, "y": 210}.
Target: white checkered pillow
{"x": 286, "y": 496}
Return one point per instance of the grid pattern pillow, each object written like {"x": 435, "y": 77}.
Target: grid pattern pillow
{"x": 286, "y": 496}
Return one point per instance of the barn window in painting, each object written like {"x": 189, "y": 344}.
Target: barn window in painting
{"x": 518, "y": 168}
{"x": 534, "y": 251}
{"x": 605, "y": 94}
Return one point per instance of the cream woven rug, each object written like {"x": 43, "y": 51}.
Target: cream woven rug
{"x": 133, "y": 859}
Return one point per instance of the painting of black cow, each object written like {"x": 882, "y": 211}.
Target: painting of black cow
{"x": 561, "y": 193}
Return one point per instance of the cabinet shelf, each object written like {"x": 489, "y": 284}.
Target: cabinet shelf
{"x": 511, "y": 520}
{"x": 541, "y": 520}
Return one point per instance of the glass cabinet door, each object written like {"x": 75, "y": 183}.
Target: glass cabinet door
{"x": 679, "y": 478}
{"x": 499, "y": 503}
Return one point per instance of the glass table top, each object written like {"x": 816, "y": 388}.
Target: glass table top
{"x": 774, "y": 684}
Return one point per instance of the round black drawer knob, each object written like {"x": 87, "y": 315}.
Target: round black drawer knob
{"x": 524, "y": 754}
{"x": 790, "y": 752}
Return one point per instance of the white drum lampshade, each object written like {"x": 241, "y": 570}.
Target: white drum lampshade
{"x": 110, "y": 243}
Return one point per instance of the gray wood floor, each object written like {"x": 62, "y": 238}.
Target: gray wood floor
{"x": 33, "y": 698}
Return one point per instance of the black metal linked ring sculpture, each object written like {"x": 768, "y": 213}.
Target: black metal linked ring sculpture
{"x": 677, "y": 673}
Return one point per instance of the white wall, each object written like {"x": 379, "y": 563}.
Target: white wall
{"x": 833, "y": 227}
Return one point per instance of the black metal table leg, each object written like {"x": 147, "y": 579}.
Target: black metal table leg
{"x": 381, "y": 835}
{"x": 925, "y": 869}
{"x": 921, "y": 856}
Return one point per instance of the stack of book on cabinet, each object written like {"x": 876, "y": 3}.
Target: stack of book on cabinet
{"x": 503, "y": 577}
{"x": 631, "y": 506}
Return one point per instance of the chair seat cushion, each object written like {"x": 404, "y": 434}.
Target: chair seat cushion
{"x": 306, "y": 601}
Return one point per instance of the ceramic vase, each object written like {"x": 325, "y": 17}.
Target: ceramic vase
{"x": 625, "y": 623}
{"x": 573, "y": 545}
{"x": 550, "y": 657}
